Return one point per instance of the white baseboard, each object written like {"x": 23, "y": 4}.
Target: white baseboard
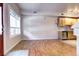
{"x": 38, "y": 38}
{"x": 12, "y": 47}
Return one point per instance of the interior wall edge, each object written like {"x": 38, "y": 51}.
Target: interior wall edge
{"x": 9, "y": 42}
{"x": 12, "y": 47}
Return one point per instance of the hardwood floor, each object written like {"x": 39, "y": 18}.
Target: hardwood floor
{"x": 46, "y": 48}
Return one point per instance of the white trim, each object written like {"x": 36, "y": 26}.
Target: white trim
{"x": 12, "y": 46}
{"x": 37, "y": 38}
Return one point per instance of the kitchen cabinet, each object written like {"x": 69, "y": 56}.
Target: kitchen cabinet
{"x": 61, "y": 22}
{"x": 64, "y": 21}
{"x": 64, "y": 25}
{"x": 66, "y": 35}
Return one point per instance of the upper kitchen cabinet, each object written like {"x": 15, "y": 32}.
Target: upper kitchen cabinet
{"x": 64, "y": 21}
{"x": 61, "y": 22}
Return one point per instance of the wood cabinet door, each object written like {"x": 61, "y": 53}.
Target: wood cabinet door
{"x": 1, "y": 32}
{"x": 61, "y": 22}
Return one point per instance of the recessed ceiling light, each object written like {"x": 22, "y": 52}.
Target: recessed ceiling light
{"x": 62, "y": 13}
{"x": 35, "y": 12}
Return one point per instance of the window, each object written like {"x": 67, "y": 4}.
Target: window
{"x": 14, "y": 23}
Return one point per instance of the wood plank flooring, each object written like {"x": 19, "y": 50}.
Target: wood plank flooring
{"x": 46, "y": 48}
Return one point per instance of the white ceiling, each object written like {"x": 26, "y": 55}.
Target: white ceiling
{"x": 49, "y": 8}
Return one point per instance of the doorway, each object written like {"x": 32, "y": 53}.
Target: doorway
{"x": 1, "y": 29}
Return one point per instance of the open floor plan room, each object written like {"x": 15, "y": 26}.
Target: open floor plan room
{"x": 39, "y": 29}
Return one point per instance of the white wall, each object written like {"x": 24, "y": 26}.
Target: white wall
{"x": 9, "y": 43}
{"x": 40, "y": 27}
{"x": 77, "y": 44}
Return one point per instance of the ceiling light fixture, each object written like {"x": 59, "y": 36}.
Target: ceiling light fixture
{"x": 35, "y": 12}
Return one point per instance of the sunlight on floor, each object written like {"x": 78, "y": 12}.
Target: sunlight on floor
{"x": 70, "y": 42}
{"x": 18, "y": 53}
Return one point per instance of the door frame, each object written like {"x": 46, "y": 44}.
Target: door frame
{"x": 1, "y": 5}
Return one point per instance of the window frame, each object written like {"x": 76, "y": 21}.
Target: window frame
{"x": 17, "y": 17}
